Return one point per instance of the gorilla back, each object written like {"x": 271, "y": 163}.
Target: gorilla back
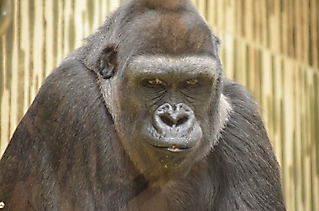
{"x": 142, "y": 118}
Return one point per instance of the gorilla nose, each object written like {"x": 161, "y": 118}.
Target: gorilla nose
{"x": 173, "y": 120}
{"x": 174, "y": 128}
{"x": 168, "y": 116}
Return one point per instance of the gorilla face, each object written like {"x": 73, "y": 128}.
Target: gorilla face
{"x": 163, "y": 88}
{"x": 167, "y": 110}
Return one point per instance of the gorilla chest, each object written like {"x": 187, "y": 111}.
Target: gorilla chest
{"x": 170, "y": 200}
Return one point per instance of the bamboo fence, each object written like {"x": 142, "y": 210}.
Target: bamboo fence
{"x": 270, "y": 46}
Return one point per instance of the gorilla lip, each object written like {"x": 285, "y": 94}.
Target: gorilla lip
{"x": 173, "y": 148}
{"x": 177, "y": 149}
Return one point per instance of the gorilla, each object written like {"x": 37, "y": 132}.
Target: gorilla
{"x": 141, "y": 118}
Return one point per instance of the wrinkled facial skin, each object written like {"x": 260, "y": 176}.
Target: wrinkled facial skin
{"x": 161, "y": 107}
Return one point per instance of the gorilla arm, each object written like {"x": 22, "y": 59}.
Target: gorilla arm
{"x": 53, "y": 142}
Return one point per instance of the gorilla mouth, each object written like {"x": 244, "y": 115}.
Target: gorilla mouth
{"x": 174, "y": 148}
{"x": 173, "y": 139}
{"x": 173, "y": 144}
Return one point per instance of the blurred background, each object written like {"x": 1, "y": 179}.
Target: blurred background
{"x": 270, "y": 46}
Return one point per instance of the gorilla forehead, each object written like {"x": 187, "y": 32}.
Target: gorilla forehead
{"x": 187, "y": 65}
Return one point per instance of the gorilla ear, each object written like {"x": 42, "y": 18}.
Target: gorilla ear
{"x": 108, "y": 62}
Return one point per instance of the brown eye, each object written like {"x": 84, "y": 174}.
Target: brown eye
{"x": 193, "y": 81}
{"x": 155, "y": 82}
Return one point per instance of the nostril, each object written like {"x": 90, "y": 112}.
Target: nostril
{"x": 172, "y": 122}
{"x": 181, "y": 121}
{"x": 167, "y": 120}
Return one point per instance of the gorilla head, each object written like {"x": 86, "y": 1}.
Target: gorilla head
{"x": 163, "y": 86}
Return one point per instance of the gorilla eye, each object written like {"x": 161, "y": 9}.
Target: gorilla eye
{"x": 155, "y": 82}
{"x": 193, "y": 81}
